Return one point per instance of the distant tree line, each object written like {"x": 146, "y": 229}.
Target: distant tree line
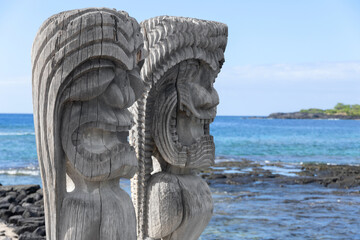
{"x": 339, "y": 109}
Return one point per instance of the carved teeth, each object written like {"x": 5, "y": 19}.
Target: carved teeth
{"x": 173, "y": 123}
{"x": 175, "y": 138}
{"x": 206, "y": 129}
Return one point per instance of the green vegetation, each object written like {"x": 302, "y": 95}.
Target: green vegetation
{"x": 339, "y": 109}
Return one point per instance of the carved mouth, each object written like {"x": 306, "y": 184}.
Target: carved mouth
{"x": 99, "y": 138}
{"x": 188, "y": 131}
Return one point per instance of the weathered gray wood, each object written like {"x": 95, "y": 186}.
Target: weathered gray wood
{"x": 86, "y": 67}
{"x": 172, "y": 126}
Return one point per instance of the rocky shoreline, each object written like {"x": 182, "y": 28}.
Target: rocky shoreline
{"x": 305, "y": 115}
{"x": 21, "y": 206}
{"x": 247, "y": 172}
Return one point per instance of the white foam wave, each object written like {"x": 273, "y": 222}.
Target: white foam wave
{"x": 20, "y": 172}
{"x": 16, "y": 133}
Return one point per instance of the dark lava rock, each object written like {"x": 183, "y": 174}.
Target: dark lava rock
{"x": 21, "y": 196}
{"x": 332, "y": 176}
{"x": 39, "y": 203}
{"x": 22, "y": 205}
{"x": 14, "y": 219}
{"x": 12, "y": 193}
{"x": 5, "y": 205}
{"x": 335, "y": 176}
{"x": 7, "y": 199}
{"x": 33, "y": 212}
{"x": 5, "y": 214}
{"x": 216, "y": 176}
{"x": 31, "y": 236}
{"x": 17, "y": 210}
{"x": 31, "y": 198}
{"x": 40, "y": 231}
{"x": 27, "y": 188}
{"x": 28, "y": 228}
{"x": 36, "y": 221}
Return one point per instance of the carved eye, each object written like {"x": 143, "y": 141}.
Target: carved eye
{"x": 207, "y": 78}
{"x": 119, "y": 94}
{"x": 90, "y": 84}
{"x": 192, "y": 70}
{"x": 125, "y": 88}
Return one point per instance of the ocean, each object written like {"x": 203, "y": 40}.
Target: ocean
{"x": 252, "y": 211}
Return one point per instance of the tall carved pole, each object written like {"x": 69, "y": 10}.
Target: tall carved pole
{"x": 172, "y": 126}
{"x": 85, "y": 76}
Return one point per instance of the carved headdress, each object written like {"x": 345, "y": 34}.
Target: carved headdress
{"x": 74, "y": 57}
{"x": 176, "y": 47}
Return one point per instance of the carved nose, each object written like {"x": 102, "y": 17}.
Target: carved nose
{"x": 210, "y": 100}
{"x": 119, "y": 94}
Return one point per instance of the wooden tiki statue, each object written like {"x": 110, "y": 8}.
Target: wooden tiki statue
{"x": 85, "y": 76}
{"x": 172, "y": 118}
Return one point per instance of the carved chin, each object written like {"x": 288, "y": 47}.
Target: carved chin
{"x": 191, "y": 135}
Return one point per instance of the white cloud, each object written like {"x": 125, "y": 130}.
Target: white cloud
{"x": 16, "y": 81}
{"x": 336, "y": 71}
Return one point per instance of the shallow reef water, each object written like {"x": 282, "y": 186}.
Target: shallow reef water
{"x": 263, "y": 210}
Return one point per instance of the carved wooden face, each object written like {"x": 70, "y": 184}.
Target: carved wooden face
{"x": 197, "y": 101}
{"x": 183, "y": 137}
{"x": 96, "y": 122}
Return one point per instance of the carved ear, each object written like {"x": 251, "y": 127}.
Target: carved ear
{"x": 136, "y": 83}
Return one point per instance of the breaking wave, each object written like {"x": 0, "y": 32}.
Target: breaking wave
{"x": 20, "y": 172}
{"x": 16, "y": 133}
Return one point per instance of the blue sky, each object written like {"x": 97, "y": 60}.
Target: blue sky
{"x": 281, "y": 55}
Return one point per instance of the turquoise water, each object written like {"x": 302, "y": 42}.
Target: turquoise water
{"x": 18, "y": 157}
{"x": 295, "y": 141}
{"x": 256, "y": 210}
{"x": 274, "y": 140}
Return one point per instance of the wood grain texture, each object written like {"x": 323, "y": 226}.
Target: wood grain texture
{"x": 171, "y": 135}
{"x": 85, "y": 74}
